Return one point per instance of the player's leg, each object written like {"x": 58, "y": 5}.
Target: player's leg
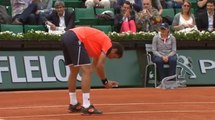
{"x": 74, "y": 106}
{"x": 88, "y": 108}
{"x": 70, "y": 50}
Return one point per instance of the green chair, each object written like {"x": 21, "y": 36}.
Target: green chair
{"x": 102, "y": 21}
{"x": 85, "y": 16}
{"x": 105, "y": 28}
{"x": 71, "y": 3}
{"x": 12, "y": 28}
{"x": 168, "y": 12}
{"x": 5, "y": 2}
{"x": 34, "y": 27}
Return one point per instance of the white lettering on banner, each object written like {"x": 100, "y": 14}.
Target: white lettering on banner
{"x": 29, "y": 69}
{"x": 3, "y": 69}
{"x": 34, "y": 69}
{"x": 44, "y": 71}
{"x": 56, "y": 64}
{"x": 206, "y": 65}
{"x": 13, "y": 71}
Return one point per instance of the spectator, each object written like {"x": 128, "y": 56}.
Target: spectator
{"x": 60, "y": 19}
{"x": 135, "y": 4}
{"x": 34, "y": 13}
{"x": 157, "y": 4}
{"x": 184, "y": 20}
{"x": 148, "y": 19}
{"x": 206, "y": 20}
{"x": 97, "y": 3}
{"x": 201, "y": 4}
{"x": 172, "y": 3}
{"x": 125, "y": 20}
{"x": 18, "y": 6}
{"x": 164, "y": 51}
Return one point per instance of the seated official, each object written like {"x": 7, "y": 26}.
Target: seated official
{"x": 164, "y": 51}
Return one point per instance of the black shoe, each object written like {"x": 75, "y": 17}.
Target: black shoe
{"x": 90, "y": 110}
{"x": 17, "y": 21}
{"x": 75, "y": 108}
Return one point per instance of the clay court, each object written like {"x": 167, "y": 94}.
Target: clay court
{"x": 191, "y": 103}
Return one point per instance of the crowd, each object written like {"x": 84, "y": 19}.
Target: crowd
{"x": 129, "y": 15}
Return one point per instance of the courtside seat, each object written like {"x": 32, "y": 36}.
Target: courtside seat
{"x": 5, "y": 2}
{"x": 85, "y": 16}
{"x": 12, "y": 28}
{"x": 168, "y": 12}
{"x": 102, "y": 21}
{"x": 71, "y": 3}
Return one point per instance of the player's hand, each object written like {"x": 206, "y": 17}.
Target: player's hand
{"x": 111, "y": 84}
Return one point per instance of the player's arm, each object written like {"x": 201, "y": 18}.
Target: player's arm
{"x": 99, "y": 65}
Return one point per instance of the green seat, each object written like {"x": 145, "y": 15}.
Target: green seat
{"x": 85, "y": 16}
{"x": 168, "y": 12}
{"x": 102, "y": 21}
{"x": 12, "y": 28}
{"x": 34, "y": 27}
{"x": 105, "y": 28}
{"x": 5, "y": 2}
{"x": 71, "y": 3}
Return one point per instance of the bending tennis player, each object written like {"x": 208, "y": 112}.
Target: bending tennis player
{"x": 79, "y": 45}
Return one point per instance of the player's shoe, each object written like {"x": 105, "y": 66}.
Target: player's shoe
{"x": 75, "y": 108}
{"x": 90, "y": 110}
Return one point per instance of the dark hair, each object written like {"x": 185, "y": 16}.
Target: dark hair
{"x": 211, "y": 1}
{"x": 128, "y": 3}
{"x": 119, "y": 47}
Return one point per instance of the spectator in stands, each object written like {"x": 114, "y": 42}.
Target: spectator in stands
{"x": 125, "y": 20}
{"x": 34, "y": 13}
{"x": 136, "y": 5}
{"x": 18, "y": 6}
{"x": 201, "y": 4}
{"x": 172, "y": 3}
{"x": 157, "y": 4}
{"x": 149, "y": 18}
{"x": 184, "y": 20}
{"x": 97, "y": 3}
{"x": 164, "y": 51}
{"x": 206, "y": 20}
{"x": 60, "y": 18}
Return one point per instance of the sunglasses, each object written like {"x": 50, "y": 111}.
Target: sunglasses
{"x": 145, "y": 3}
{"x": 186, "y": 5}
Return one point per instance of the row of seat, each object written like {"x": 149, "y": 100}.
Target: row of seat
{"x": 26, "y": 28}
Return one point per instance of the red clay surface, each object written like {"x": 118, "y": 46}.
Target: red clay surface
{"x": 191, "y": 103}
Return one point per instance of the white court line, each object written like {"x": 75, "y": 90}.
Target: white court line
{"x": 114, "y": 104}
{"x": 111, "y": 113}
{"x": 95, "y": 89}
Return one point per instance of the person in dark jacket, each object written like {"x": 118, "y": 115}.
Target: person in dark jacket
{"x": 206, "y": 19}
{"x": 60, "y": 18}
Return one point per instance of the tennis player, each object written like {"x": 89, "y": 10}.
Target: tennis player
{"x": 81, "y": 44}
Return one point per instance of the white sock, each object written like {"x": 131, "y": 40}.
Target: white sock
{"x": 73, "y": 98}
{"x": 86, "y": 100}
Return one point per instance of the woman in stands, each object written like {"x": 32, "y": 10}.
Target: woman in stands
{"x": 184, "y": 20}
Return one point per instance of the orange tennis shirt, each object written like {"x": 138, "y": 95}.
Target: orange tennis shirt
{"x": 95, "y": 41}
